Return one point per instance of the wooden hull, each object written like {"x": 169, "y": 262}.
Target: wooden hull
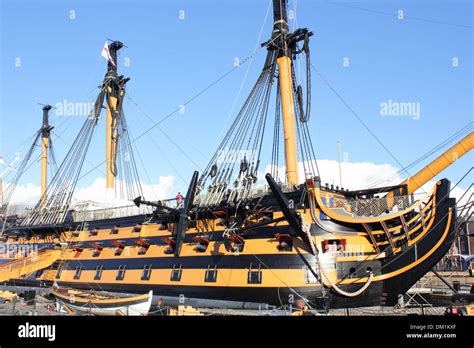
{"x": 260, "y": 273}
{"x": 84, "y": 303}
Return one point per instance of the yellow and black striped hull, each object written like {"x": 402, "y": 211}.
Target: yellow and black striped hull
{"x": 260, "y": 273}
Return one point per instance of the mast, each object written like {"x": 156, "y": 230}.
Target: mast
{"x": 340, "y": 165}
{"x": 45, "y": 144}
{"x": 112, "y": 91}
{"x": 280, "y": 27}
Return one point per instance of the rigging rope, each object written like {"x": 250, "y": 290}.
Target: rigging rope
{"x": 20, "y": 171}
{"x": 242, "y": 143}
{"x": 53, "y": 208}
{"x": 163, "y": 132}
{"x": 466, "y": 129}
{"x": 190, "y": 100}
{"x": 357, "y": 116}
{"x": 61, "y": 187}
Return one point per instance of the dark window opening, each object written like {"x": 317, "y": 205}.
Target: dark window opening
{"x": 137, "y": 228}
{"x": 77, "y": 273}
{"x": 98, "y": 272}
{"x": 146, "y": 272}
{"x": 254, "y": 276}
{"x": 115, "y": 229}
{"x": 211, "y": 275}
{"x": 120, "y": 272}
{"x": 176, "y": 274}
{"x": 59, "y": 271}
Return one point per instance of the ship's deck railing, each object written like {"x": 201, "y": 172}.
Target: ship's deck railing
{"x": 207, "y": 198}
{"x": 50, "y": 216}
{"x": 110, "y": 213}
{"x": 370, "y": 207}
{"x": 215, "y": 198}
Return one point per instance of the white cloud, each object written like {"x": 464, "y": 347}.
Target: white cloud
{"x": 354, "y": 175}
{"x": 25, "y": 195}
{"x": 28, "y": 195}
{"x": 97, "y": 191}
{"x": 365, "y": 174}
{"x": 459, "y": 193}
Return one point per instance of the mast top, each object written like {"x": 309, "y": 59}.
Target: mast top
{"x": 114, "y": 47}
{"x": 46, "y": 128}
{"x": 280, "y": 24}
{"x": 282, "y": 40}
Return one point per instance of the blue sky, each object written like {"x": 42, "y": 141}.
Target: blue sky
{"x": 171, "y": 59}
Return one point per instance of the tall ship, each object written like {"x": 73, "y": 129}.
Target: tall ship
{"x": 240, "y": 235}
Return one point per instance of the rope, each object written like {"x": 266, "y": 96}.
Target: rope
{"x": 244, "y": 139}
{"x": 59, "y": 191}
{"x": 20, "y": 171}
{"x": 306, "y": 228}
{"x": 444, "y": 143}
{"x": 339, "y": 290}
{"x": 326, "y": 82}
{"x": 190, "y": 100}
{"x": 163, "y": 132}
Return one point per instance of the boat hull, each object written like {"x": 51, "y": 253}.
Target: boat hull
{"x": 393, "y": 274}
{"x": 128, "y": 306}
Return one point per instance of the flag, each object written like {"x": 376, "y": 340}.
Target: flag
{"x": 106, "y": 53}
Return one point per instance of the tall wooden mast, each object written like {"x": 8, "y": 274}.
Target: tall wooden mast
{"x": 280, "y": 32}
{"x": 111, "y": 116}
{"x": 45, "y": 144}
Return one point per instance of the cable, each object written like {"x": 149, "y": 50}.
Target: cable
{"x": 444, "y": 143}
{"x": 405, "y": 16}
{"x": 190, "y": 100}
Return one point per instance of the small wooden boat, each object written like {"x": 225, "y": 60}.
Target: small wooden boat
{"x": 96, "y": 303}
